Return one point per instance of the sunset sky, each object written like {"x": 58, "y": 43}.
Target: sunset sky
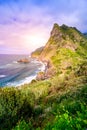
{"x": 26, "y": 24}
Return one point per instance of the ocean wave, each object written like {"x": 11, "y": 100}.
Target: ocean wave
{"x": 8, "y": 64}
{"x": 28, "y": 79}
{"x": 42, "y": 68}
{"x": 5, "y": 66}
{"x": 2, "y": 76}
{"x": 15, "y": 62}
{"x": 11, "y": 81}
{"x": 35, "y": 61}
{"x": 22, "y": 82}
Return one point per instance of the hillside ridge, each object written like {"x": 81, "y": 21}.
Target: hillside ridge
{"x": 63, "y": 37}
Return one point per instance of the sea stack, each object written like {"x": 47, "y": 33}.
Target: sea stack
{"x": 25, "y": 60}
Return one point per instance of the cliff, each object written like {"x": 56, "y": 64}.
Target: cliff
{"x": 64, "y": 37}
{"x": 66, "y": 49}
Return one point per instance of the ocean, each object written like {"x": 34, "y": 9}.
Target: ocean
{"x": 13, "y": 73}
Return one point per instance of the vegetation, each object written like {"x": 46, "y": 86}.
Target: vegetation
{"x": 59, "y": 102}
{"x": 37, "y": 52}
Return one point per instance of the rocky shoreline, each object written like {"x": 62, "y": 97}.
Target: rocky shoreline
{"x": 48, "y": 72}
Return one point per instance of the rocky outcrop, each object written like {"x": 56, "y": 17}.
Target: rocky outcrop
{"x": 40, "y": 76}
{"x": 25, "y": 60}
{"x": 65, "y": 50}
{"x": 45, "y": 75}
{"x": 56, "y": 31}
{"x": 62, "y": 37}
{"x": 48, "y": 73}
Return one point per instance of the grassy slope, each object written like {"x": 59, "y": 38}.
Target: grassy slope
{"x": 37, "y": 52}
{"x": 54, "y": 104}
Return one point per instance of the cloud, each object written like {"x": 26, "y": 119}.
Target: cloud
{"x": 27, "y": 24}
{"x": 18, "y": 28}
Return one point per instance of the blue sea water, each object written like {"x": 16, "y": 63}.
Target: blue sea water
{"x": 13, "y": 73}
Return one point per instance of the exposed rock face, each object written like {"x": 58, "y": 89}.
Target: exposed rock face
{"x": 25, "y": 60}
{"x": 55, "y": 31}
{"x": 45, "y": 75}
{"x": 66, "y": 50}
{"x": 40, "y": 76}
{"x": 48, "y": 73}
{"x": 62, "y": 37}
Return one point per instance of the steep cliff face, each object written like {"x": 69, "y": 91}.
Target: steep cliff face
{"x": 66, "y": 49}
{"x": 52, "y": 44}
{"x": 64, "y": 37}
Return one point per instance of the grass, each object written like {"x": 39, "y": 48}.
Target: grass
{"x": 67, "y": 110}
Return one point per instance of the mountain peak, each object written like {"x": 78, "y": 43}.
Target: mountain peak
{"x": 64, "y": 37}
{"x": 55, "y": 29}
{"x": 55, "y": 25}
{"x": 64, "y": 26}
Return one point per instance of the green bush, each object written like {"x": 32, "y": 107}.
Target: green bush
{"x": 13, "y": 106}
{"x": 67, "y": 121}
{"x": 22, "y": 125}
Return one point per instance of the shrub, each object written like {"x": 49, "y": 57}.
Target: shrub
{"x": 13, "y": 106}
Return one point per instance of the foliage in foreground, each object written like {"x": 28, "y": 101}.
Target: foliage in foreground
{"x": 20, "y": 109}
{"x": 64, "y": 121}
{"x": 13, "y": 106}
{"x": 67, "y": 121}
{"x": 67, "y": 112}
{"x": 36, "y": 105}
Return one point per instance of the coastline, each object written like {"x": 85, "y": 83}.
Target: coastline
{"x": 24, "y": 77}
{"x": 29, "y": 79}
{"x": 48, "y": 72}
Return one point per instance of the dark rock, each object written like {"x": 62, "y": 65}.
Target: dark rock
{"x": 25, "y": 60}
{"x": 40, "y": 76}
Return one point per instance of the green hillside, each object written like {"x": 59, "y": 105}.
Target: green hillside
{"x": 58, "y": 102}
{"x": 37, "y": 52}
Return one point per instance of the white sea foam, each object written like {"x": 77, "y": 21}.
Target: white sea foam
{"x": 5, "y": 66}
{"x": 15, "y": 62}
{"x": 30, "y": 78}
{"x": 2, "y": 76}
{"x": 8, "y": 64}
{"x": 42, "y": 68}
{"x": 27, "y": 80}
{"x": 35, "y": 61}
{"x": 22, "y": 82}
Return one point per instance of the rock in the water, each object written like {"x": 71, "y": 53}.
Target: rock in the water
{"x": 25, "y": 60}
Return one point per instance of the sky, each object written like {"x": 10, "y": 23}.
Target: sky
{"x": 26, "y": 24}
